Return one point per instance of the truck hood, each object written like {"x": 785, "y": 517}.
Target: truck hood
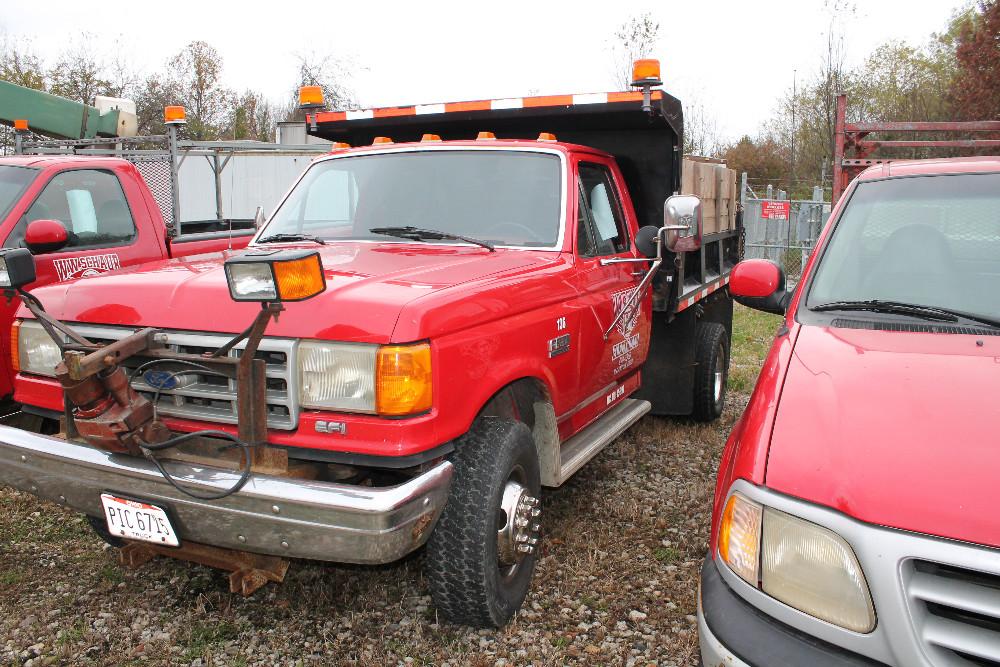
{"x": 893, "y": 428}
{"x": 367, "y": 286}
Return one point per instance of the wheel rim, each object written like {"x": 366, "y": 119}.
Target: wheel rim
{"x": 518, "y": 524}
{"x": 719, "y": 374}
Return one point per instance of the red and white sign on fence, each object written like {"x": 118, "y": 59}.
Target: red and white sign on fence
{"x": 775, "y": 210}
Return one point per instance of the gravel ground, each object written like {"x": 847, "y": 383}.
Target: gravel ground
{"x": 616, "y": 584}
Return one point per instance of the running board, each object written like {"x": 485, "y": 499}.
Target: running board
{"x": 587, "y": 443}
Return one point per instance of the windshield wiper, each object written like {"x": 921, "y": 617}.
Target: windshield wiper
{"x": 279, "y": 238}
{"x": 894, "y": 307}
{"x": 419, "y": 234}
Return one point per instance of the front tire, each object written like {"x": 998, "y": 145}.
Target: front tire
{"x": 712, "y": 371}
{"x": 481, "y": 556}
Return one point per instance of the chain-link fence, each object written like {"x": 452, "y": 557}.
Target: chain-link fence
{"x": 780, "y": 229}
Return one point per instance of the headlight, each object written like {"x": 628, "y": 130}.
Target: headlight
{"x": 797, "y": 562}
{"x": 389, "y": 379}
{"x": 337, "y": 376}
{"x": 814, "y": 570}
{"x": 275, "y": 275}
{"x": 36, "y": 351}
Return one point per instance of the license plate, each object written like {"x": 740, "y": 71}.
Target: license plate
{"x": 136, "y": 520}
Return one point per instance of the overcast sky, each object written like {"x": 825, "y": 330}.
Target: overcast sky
{"x": 734, "y": 57}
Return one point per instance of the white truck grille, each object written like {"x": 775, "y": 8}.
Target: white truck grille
{"x": 210, "y": 398}
{"x": 957, "y": 612}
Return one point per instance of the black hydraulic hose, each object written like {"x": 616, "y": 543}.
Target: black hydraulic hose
{"x": 149, "y": 448}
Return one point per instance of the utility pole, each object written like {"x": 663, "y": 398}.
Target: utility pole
{"x": 791, "y": 179}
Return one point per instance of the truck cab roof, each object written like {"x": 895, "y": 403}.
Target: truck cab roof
{"x": 957, "y": 165}
{"x": 42, "y": 161}
{"x": 513, "y": 144}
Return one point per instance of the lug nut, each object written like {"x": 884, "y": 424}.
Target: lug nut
{"x": 521, "y": 522}
{"x": 533, "y": 541}
{"x": 535, "y": 527}
{"x": 284, "y": 545}
{"x": 524, "y": 548}
{"x": 536, "y": 513}
{"x": 521, "y": 538}
{"x": 241, "y": 538}
{"x": 275, "y": 509}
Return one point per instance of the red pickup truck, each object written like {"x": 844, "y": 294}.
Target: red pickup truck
{"x": 466, "y": 306}
{"x": 855, "y": 518}
{"x": 81, "y": 217}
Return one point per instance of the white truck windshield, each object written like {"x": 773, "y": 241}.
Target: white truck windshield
{"x": 923, "y": 240}
{"x": 506, "y": 198}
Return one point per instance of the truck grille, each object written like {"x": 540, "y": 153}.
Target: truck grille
{"x": 211, "y": 398}
{"x": 957, "y": 612}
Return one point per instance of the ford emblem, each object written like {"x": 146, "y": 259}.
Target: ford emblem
{"x": 160, "y": 379}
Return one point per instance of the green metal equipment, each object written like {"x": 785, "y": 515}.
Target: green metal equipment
{"x": 58, "y": 117}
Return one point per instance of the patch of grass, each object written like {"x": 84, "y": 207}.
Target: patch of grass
{"x": 203, "y": 636}
{"x": 753, "y": 332}
{"x": 10, "y": 578}
{"x": 73, "y": 634}
{"x": 666, "y": 555}
{"x": 112, "y": 573}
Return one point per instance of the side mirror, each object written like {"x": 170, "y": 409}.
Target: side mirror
{"x": 760, "y": 284}
{"x": 17, "y": 268}
{"x": 645, "y": 240}
{"x": 43, "y": 236}
{"x": 682, "y": 220}
{"x": 258, "y": 218}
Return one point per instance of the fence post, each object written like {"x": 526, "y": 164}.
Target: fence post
{"x": 173, "y": 225}
{"x": 743, "y": 190}
{"x": 818, "y": 193}
{"x": 770, "y": 191}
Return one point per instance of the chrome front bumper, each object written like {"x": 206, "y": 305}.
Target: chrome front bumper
{"x": 280, "y": 516}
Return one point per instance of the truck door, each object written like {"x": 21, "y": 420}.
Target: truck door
{"x": 102, "y": 235}
{"x": 602, "y": 234}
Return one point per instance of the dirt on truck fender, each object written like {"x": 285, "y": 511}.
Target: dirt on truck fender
{"x": 429, "y": 330}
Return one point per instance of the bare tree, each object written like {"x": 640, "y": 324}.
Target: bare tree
{"x": 632, "y": 41}
{"x": 328, "y": 72}
{"x": 79, "y": 72}
{"x": 19, "y": 64}
{"x": 196, "y": 76}
{"x": 701, "y": 129}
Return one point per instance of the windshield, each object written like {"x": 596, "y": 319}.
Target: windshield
{"x": 13, "y": 182}
{"x": 926, "y": 240}
{"x": 502, "y": 197}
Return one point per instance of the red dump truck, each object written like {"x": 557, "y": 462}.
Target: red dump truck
{"x": 460, "y": 304}
{"x": 82, "y": 216}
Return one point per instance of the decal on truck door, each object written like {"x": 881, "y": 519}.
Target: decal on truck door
{"x": 621, "y": 352}
{"x": 86, "y": 265}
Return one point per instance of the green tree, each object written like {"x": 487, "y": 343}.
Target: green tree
{"x": 976, "y": 86}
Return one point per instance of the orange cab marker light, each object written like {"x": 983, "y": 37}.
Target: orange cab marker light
{"x": 430, "y": 137}
{"x": 21, "y": 124}
{"x": 15, "y": 352}
{"x": 174, "y": 115}
{"x": 310, "y": 96}
{"x": 546, "y": 136}
{"x": 485, "y": 136}
{"x": 382, "y": 140}
{"x": 646, "y": 70}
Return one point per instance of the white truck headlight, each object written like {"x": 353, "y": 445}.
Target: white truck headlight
{"x": 797, "y": 562}
{"x": 36, "y": 351}
{"x": 814, "y": 570}
{"x": 337, "y": 376}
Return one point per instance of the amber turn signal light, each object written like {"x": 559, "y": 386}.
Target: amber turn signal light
{"x": 403, "y": 379}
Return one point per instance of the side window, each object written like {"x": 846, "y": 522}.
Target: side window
{"x": 607, "y": 223}
{"x": 91, "y": 205}
{"x": 585, "y": 245}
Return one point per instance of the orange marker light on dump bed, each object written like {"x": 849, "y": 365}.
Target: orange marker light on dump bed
{"x": 310, "y": 97}
{"x": 646, "y": 71}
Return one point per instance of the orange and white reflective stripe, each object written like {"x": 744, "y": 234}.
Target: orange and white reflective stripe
{"x": 689, "y": 301}
{"x": 484, "y": 105}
